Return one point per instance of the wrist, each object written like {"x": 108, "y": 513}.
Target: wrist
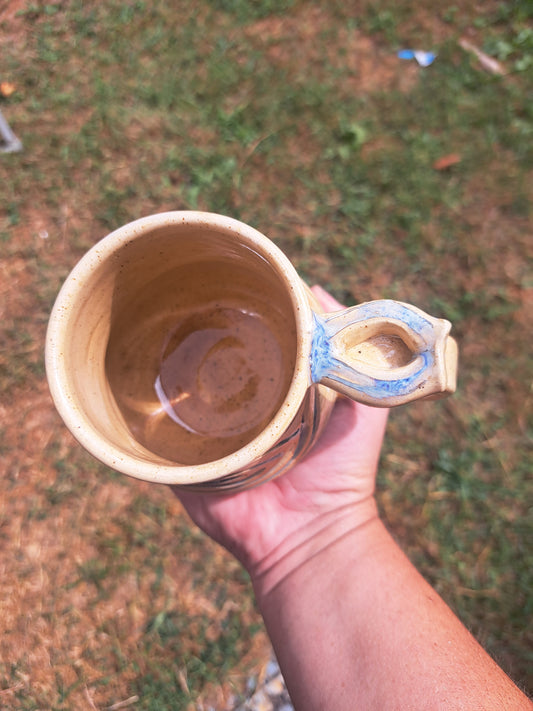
{"x": 317, "y": 543}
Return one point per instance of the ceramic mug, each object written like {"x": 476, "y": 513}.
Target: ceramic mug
{"x": 185, "y": 349}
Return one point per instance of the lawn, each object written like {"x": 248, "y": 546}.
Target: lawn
{"x": 379, "y": 178}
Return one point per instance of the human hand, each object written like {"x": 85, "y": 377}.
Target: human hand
{"x": 273, "y": 527}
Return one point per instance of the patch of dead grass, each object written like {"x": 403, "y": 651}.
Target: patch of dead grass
{"x": 310, "y": 42}
{"x": 58, "y": 624}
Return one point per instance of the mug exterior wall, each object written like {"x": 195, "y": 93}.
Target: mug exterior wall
{"x": 297, "y": 440}
{"x": 286, "y": 439}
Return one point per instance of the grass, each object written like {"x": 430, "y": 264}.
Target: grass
{"x": 299, "y": 119}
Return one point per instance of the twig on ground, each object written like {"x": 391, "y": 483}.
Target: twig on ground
{"x": 123, "y": 704}
{"x": 488, "y": 63}
{"x": 89, "y": 698}
{"x": 11, "y": 689}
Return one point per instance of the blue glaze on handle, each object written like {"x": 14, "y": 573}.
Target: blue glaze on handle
{"x": 321, "y": 358}
{"x": 376, "y": 388}
{"x": 386, "y": 308}
{"x": 325, "y": 365}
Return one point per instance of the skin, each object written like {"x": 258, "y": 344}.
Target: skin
{"x": 353, "y": 623}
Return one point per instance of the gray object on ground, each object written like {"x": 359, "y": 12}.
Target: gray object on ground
{"x": 10, "y": 143}
{"x": 270, "y": 694}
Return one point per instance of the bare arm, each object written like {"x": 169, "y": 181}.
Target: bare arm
{"x": 353, "y": 624}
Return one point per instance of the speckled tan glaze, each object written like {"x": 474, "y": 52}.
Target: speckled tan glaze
{"x": 77, "y": 339}
{"x": 369, "y": 352}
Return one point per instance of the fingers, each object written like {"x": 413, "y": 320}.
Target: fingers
{"x": 327, "y": 301}
{"x": 371, "y": 424}
{"x": 366, "y": 424}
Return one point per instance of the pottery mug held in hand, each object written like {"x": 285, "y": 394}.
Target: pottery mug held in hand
{"x": 185, "y": 349}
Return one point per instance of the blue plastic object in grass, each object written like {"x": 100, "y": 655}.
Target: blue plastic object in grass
{"x": 424, "y": 59}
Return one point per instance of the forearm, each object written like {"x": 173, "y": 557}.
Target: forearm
{"x": 355, "y": 626}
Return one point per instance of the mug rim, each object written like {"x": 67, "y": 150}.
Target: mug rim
{"x": 67, "y": 401}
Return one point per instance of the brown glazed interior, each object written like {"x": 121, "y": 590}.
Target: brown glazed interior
{"x": 201, "y": 329}
{"x": 133, "y": 282}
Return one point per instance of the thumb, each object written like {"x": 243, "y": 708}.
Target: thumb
{"x": 325, "y": 299}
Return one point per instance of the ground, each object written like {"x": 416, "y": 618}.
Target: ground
{"x": 379, "y": 178}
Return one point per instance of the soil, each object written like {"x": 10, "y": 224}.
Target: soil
{"x": 66, "y": 622}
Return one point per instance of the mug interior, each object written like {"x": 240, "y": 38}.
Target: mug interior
{"x": 111, "y": 323}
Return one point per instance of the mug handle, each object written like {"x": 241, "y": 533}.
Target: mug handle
{"x": 384, "y": 353}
